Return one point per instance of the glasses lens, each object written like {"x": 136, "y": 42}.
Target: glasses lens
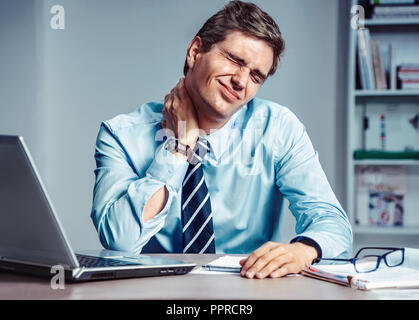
{"x": 366, "y": 264}
{"x": 394, "y": 258}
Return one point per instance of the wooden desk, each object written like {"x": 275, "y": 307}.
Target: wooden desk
{"x": 191, "y": 287}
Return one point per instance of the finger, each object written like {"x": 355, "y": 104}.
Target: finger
{"x": 281, "y": 272}
{"x": 243, "y": 261}
{"x": 167, "y": 102}
{"x": 182, "y": 84}
{"x": 272, "y": 266}
{"x": 263, "y": 262}
{"x": 181, "y": 81}
{"x": 180, "y": 89}
{"x": 168, "y": 112}
{"x": 256, "y": 255}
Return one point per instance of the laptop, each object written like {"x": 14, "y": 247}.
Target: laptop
{"x": 33, "y": 241}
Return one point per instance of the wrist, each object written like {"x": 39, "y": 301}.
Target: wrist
{"x": 181, "y": 150}
{"x": 190, "y": 142}
{"x": 310, "y": 252}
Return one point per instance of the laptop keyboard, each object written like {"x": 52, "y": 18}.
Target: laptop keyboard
{"x": 97, "y": 262}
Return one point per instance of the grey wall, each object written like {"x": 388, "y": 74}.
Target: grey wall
{"x": 56, "y": 86}
{"x": 20, "y": 112}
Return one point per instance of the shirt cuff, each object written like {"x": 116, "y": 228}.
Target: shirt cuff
{"x": 168, "y": 168}
{"x": 310, "y": 242}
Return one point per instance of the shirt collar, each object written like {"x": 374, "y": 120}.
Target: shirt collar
{"x": 218, "y": 138}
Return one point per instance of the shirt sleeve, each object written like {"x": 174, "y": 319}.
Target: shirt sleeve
{"x": 301, "y": 179}
{"x": 120, "y": 195}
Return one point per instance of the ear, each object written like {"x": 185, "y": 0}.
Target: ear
{"x": 194, "y": 49}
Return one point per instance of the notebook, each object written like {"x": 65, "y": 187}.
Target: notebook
{"x": 403, "y": 276}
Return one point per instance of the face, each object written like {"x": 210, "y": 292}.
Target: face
{"x": 225, "y": 78}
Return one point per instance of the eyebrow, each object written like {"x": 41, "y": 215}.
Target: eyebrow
{"x": 243, "y": 63}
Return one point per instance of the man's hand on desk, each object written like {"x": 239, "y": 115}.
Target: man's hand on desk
{"x": 276, "y": 260}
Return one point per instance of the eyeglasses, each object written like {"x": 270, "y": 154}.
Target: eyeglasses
{"x": 368, "y": 259}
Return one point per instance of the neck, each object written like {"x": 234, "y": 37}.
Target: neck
{"x": 208, "y": 125}
{"x": 207, "y": 122}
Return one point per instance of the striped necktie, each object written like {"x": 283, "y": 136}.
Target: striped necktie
{"x": 198, "y": 231}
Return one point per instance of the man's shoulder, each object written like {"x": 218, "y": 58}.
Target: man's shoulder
{"x": 149, "y": 113}
{"x": 259, "y": 107}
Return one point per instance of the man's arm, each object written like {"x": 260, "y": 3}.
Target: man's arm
{"x": 319, "y": 216}
{"x": 155, "y": 204}
{"x": 178, "y": 108}
{"x": 127, "y": 209}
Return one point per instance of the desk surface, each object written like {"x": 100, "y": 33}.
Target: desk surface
{"x": 192, "y": 286}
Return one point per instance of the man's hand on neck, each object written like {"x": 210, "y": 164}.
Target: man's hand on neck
{"x": 179, "y": 115}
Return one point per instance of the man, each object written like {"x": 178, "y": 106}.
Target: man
{"x": 207, "y": 169}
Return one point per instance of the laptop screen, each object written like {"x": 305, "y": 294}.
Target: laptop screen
{"x": 29, "y": 230}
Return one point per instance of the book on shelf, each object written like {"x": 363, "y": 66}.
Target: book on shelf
{"x": 366, "y": 69}
{"x": 378, "y": 66}
{"x": 380, "y": 195}
{"x": 409, "y": 84}
{"x": 404, "y": 276}
{"x": 375, "y": 62}
{"x": 408, "y": 75}
{"x": 392, "y": 66}
{"x": 392, "y": 2}
{"x": 395, "y": 12}
{"x": 394, "y": 9}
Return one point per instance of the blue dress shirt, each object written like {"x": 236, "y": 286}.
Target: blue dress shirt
{"x": 261, "y": 155}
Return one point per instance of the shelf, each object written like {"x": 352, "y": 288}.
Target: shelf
{"x": 387, "y": 93}
{"x": 386, "y": 230}
{"x": 390, "y": 22}
{"x": 400, "y": 104}
{"x": 388, "y": 162}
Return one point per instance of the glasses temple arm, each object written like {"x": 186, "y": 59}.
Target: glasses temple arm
{"x": 331, "y": 259}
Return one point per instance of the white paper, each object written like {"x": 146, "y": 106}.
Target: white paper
{"x": 227, "y": 261}
{"x": 200, "y": 270}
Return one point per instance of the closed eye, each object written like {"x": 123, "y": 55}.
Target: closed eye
{"x": 257, "y": 78}
{"x": 235, "y": 61}
{"x": 256, "y": 75}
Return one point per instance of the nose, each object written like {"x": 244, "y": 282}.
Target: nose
{"x": 240, "y": 78}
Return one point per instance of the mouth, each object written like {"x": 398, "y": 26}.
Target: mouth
{"x": 228, "y": 93}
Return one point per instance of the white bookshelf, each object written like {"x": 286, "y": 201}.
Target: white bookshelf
{"x": 390, "y": 22}
{"x": 386, "y": 230}
{"x": 387, "y": 93}
{"x": 404, "y": 36}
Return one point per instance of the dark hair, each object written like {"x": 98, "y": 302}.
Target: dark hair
{"x": 247, "y": 18}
